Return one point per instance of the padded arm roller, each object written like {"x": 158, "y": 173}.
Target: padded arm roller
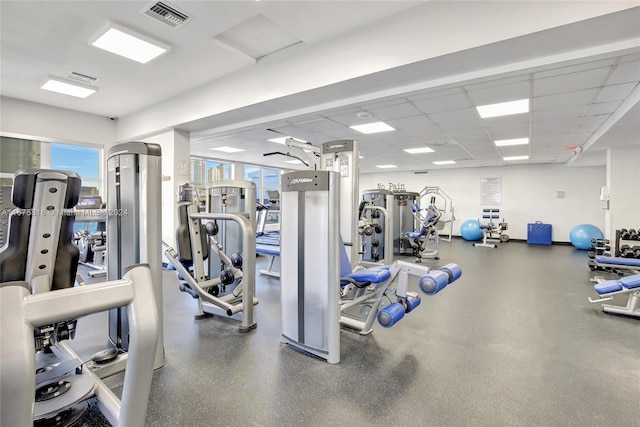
{"x": 437, "y": 280}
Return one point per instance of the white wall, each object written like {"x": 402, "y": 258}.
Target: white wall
{"x": 29, "y": 120}
{"x": 528, "y": 194}
{"x": 39, "y": 121}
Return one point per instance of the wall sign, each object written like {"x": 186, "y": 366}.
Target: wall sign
{"x": 491, "y": 190}
{"x": 391, "y": 187}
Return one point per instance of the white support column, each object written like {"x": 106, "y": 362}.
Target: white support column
{"x": 623, "y": 180}
{"x": 175, "y": 172}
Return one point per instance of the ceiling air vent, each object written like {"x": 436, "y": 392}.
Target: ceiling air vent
{"x": 166, "y": 14}
{"x": 81, "y": 77}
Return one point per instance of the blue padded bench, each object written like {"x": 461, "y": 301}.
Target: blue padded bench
{"x": 272, "y": 251}
{"x": 268, "y": 250}
{"x": 629, "y": 282}
{"x": 630, "y": 262}
{"x": 370, "y": 275}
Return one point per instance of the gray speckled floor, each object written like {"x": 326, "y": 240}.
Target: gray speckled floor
{"x": 513, "y": 342}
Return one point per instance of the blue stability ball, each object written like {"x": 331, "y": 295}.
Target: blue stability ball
{"x": 582, "y": 234}
{"x": 470, "y": 230}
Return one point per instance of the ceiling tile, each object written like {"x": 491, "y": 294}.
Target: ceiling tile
{"x": 443, "y": 103}
{"x": 468, "y": 133}
{"x": 615, "y": 92}
{"x": 592, "y": 123}
{"x": 344, "y": 132}
{"x": 467, "y": 118}
{"x": 318, "y": 125}
{"x": 560, "y": 114}
{"x": 570, "y": 82}
{"x": 554, "y": 102}
{"x": 603, "y": 108}
{"x": 416, "y": 126}
{"x": 496, "y": 94}
{"x": 579, "y": 138}
{"x": 433, "y": 93}
{"x": 625, "y": 73}
{"x": 396, "y": 111}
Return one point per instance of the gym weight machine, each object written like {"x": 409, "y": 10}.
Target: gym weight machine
{"x": 319, "y": 289}
{"x": 197, "y": 242}
{"x": 375, "y": 227}
{"x": 426, "y": 241}
{"x": 38, "y": 299}
{"x": 492, "y": 232}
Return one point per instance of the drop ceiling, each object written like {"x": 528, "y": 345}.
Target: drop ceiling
{"x": 582, "y": 79}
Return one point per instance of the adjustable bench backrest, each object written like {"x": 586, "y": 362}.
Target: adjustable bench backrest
{"x": 39, "y": 249}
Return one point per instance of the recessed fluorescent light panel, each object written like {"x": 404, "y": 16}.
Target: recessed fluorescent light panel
{"x": 444, "y": 162}
{"x": 504, "y": 108}
{"x": 386, "y": 166}
{"x": 65, "y": 87}
{"x": 283, "y": 140}
{"x": 294, "y": 162}
{"x": 419, "y": 150}
{"x": 129, "y": 44}
{"x": 507, "y": 142}
{"x": 226, "y": 149}
{"x": 515, "y": 158}
{"x": 372, "y": 128}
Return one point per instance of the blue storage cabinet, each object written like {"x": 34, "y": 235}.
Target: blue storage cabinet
{"x": 539, "y": 233}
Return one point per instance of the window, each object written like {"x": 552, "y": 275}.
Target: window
{"x": 85, "y": 161}
{"x": 16, "y": 154}
{"x": 267, "y": 182}
{"x": 218, "y": 171}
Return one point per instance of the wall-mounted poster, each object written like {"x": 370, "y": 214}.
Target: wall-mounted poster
{"x": 491, "y": 189}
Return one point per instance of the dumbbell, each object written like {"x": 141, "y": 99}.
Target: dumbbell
{"x": 624, "y": 234}
{"x": 633, "y": 234}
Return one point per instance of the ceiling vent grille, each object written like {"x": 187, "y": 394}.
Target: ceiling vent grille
{"x": 81, "y": 77}
{"x": 166, "y": 14}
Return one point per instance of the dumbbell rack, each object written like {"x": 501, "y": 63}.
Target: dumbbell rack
{"x": 599, "y": 247}
{"x": 627, "y": 244}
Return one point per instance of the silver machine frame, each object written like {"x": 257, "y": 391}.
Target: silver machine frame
{"x": 403, "y": 220}
{"x": 309, "y": 290}
{"x": 379, "y": 201}
{"x": 134, "y": 181}
{"x": 34, "y": 305}
{"x": 238, "y": 305}
{"x": 447, "y": 210}
{"x": 342, "y": 156}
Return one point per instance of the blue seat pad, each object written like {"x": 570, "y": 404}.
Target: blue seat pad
{"x": 413, "y": 234}
{"x": 373, "y": 275}
{"x": 608, "y": 287}
{"x": 268, "y": 250}
{"x": 618, "y": 261}
{"x": 631, "y": 282}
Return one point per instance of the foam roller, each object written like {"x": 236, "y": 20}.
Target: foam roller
{"x": 390, "y": 315}
{"x": 453, "y": 270}
{"x": 433, "y": 282}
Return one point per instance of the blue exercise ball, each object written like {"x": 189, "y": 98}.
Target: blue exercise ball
{"x": 470, "y": 230}
{"x": 581, "y": 235}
